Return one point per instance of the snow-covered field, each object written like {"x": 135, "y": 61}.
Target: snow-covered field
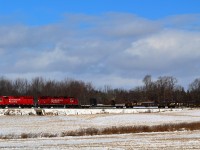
{"x": 62, "y": 112}
{"x": 143, "y": 141}
{"x": 15, "y": 125}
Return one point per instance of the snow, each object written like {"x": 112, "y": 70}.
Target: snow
{"x": 18, "y": 124}
{"x": 154, "y": 141}
{"x": 21, "y": 122}
{"x": 62, "y": 112}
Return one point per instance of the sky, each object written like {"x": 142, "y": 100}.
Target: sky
{"x": 104, "y": 42}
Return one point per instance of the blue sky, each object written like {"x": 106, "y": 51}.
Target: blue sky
{"x": 37, "y": 12}
{"x": 106, "y": 42}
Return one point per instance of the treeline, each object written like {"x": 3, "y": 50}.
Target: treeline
{"x": 165, "y": 88}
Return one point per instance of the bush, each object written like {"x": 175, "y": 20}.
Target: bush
{"x": 24, "y": 136}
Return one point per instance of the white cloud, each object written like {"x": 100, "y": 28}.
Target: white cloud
{"x": 163, "y": 50}
{"x": 115, "y": 49}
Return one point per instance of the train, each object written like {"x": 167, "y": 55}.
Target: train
{"x": 40, "y": 102}
{"x": 71, "y": 102}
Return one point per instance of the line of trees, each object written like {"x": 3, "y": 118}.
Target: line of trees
{"x": 165, "y": 88}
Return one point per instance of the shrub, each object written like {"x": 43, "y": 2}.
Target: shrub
{"x": 24, "y": 136}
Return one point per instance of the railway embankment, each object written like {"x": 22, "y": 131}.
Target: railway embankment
{"x": 64, "y": 112}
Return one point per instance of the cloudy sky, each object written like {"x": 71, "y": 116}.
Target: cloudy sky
{"x": 105, "y": 42}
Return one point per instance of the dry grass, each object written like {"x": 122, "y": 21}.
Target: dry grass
{"x": 29, "y": 135}
{"x": 81, "y": 132}
{"x": 134, "y": 129}
{"x": 111, "y": 130}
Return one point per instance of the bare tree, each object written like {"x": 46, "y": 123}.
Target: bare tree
{"x": 5, "y": 86}
{"x": 166, "y": 85}
{"x": 20, "y": 86}
{"x": 194, "y": 89}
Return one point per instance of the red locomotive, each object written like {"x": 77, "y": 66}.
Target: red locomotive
{"x": 42, "y": 102}
{"x": 66, "y": 102}
{"x": 16, "y": 101}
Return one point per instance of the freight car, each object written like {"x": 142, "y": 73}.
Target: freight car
{"x": 16, "y": 101}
